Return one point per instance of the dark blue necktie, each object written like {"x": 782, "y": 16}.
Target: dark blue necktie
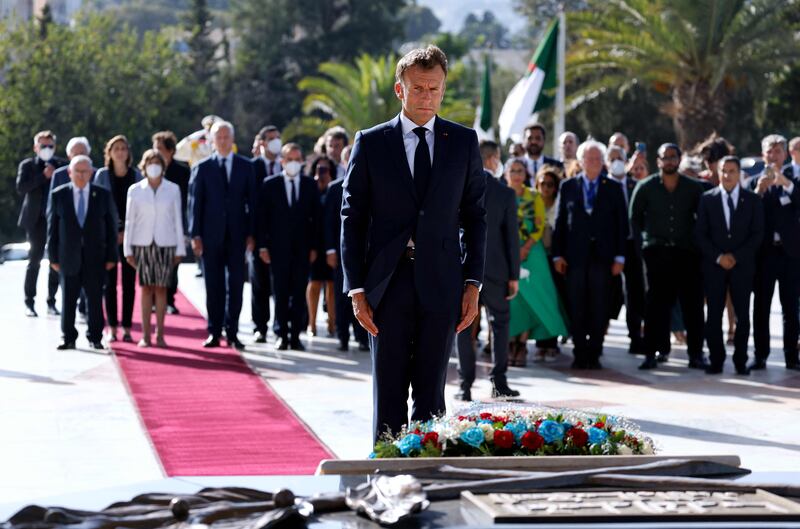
{"x": 591, "y": 195}
{"x": 422, "y": 164}
{"x": 730, "y": 212}
{"x": 292, "y": 192}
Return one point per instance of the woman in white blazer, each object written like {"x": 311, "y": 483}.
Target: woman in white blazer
{"x": 153, "y": 241}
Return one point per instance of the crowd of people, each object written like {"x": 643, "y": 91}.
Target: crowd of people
{"x": 570, "y": 241}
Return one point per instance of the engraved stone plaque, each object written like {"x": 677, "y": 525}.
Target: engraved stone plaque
{"x": 634, "y": 506}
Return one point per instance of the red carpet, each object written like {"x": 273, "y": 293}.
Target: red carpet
{"x": 206, "y": 412}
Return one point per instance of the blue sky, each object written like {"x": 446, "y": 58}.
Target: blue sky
{"x": 453, "y": 12}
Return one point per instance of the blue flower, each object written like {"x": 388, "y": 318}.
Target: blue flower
{"x": 408, "y": 443}
{"x": 485, "y": 421}
{"x": 551, "y": 431}
{"x": 567, "y": 426}
{"x": 472, "y": 436}
{"x": 518, "y": 428}
{"x": 372, "y": 455}
{"x": 596, "y": 435}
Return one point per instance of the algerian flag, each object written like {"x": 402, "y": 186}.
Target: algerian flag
{"x": 483, "y": 115}
{"x": 530, "y": 94}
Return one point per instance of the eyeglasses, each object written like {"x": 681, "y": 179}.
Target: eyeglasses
{"x": 47, "y": 146}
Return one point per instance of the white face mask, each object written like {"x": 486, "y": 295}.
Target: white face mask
{"x": 46, "y": 154}
{"x": 617, "y": 168}
{"x": 274, "y": 145}
{"x": 292, "y": 168}
{"x": 153, "y": 170}
{"x": 498, "y": 171}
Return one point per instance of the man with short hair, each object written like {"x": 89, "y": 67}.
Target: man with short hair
{"x": 567, "y": 146}
{"x": 221, "y": 203}
{"x": 589, "y": 249}
{"x": 501, "y": 280}
{"x": 81, "y": 246}
{"x": 412, "y": 184}
{"x": 794, "y": 152}
{"x": 178, "y": 173}
{"x": 33, "y": 183}
{"x": 336, "y": 140}
{"x": 266, "y": 164}
{"x": 779, "y": 258}
{"x": 76, "y": 146}
{"x": 730, "y": 225}
{"x": 287, "y": 217}
{"x": 533, "y": 141}
{"x": 663, "y": 210}
{"x": 490, "y": 154}
{"x": 620, "y": 140}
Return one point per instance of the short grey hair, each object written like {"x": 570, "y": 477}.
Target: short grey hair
{"x": 220, "y": 124}
{"x": 80, "y": 159}
{"x": 590, "y": 144}
{"x": 771, "y": 140}
{"x": 79, "y": 140}
{"x": 565, "y": 134}
{"x": 617, "y": 149}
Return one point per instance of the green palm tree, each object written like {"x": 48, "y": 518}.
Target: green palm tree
{"x": 358, "y": 96}
{"x": 699, "y": 52}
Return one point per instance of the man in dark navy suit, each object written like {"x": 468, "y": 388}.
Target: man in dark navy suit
{"x": 332, "y": 227}
{"x": 729, "y": 229}
{"x": 81, "y": 245}
{"x": 221, "y": 204}
{"x": 779, "y": 258}
{"x": 534, "y": 139}
{"x": 589, "y": 248}
{"x": 412, "y": 183}
{"x": 33, "y": 183}
{"x": 287, "y": 218}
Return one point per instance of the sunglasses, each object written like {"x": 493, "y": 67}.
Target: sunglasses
{"x": 47, "y": 146}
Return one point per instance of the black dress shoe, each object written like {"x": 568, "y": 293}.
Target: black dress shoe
{"x": 661, "y": 357}
{"x": 260, "y": 337}
{"x": 503, "y": 391}
{"x": 742, "y": 370}
{"x": 579, "y": 364}
{"x": 235, "y": 343}
{"x": 30, "y": 312}
{"x": 97, "y": 345}
{"x": 757, "y": 365}
{"x": 343, "y": 347}
{"x": 297, "y": 345}
{"x": 594, "y": 364}
{"x": 172, "y": 309}
{"x": 793, "y": 367}
{"x": 713, "y": 370}
{"x": 211, "y": 341}
{"x": 53, "y": 311}
{"x": 363, "y": 347}
{"x": 649, "y": 363}
{"x": 282, "y": 344}
{"x": 700, "y": 363}
{"x": 464, "y": 395}
{"x": 64, "y": 346}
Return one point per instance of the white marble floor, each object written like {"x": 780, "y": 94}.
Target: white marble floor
{"x": 67, "y": 423}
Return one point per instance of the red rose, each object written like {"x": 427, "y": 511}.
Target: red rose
{"x": 532, "y": 441}
{"x": 579, "y": 437}
{"x": 600, "y": 424}
{"x": 503, "y": 439}
{"x": 431, "y": 437}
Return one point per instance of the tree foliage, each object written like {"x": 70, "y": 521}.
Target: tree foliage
{"x": 93, "y": 80}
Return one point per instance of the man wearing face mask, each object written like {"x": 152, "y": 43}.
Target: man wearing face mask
{"x": 629, "y": 286}
{"x": 287, "y": 216}
{"x": 33, "y": 183}
{"x": 221, "y": 223}
{"x": 266, "y": 164}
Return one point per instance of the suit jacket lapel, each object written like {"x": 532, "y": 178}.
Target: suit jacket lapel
{"x": 394, "y": 139}
{"x": 440, "y": 151}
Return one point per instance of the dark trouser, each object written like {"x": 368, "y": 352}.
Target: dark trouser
{"x": 289, "y": 281}
{"x": 92, "y": 284}
{"x": 673, "y": 273}
{"x": 633, "y": 288}
{"x": 37, "y": 237}
{"x": 412, "y": 347}
{"x": 261, "y": 290}
{"x": 717, "y": 281}
{"x": 588, "y": 288}
{"x": 224, "y": 278}
{"x": 128, "y": 293}
{"x": 561, "y": 290}
{"x": 493, "y": 296}
{"x": 774, "y": 265}
{"x": 344, "y": 312}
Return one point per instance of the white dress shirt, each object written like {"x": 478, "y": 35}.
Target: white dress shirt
{"x": 287, "y": 182}
{"x": 796, "y": 169}
{"x": 228, "y": 163}
{"x": 411, "y": 140}
{"x": 76, "y": 194}
{"x": 534, "y": 165}
{"x": 154, "y": 215}
{"x": 725, "y": 210}
{"x": 273, "y": 167}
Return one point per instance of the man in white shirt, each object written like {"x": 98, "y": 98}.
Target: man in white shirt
{"x": 535, "y": 158}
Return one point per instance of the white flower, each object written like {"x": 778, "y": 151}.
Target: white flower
{"x": 488, "y": 431}
{"x": 625, "y": 450}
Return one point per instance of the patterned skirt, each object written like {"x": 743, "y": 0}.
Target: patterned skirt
{"x": 154, "y": 264}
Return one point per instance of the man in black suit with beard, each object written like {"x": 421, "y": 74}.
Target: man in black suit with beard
{"x": 534, "y": 139}
{"x": 33, "y": 183}
{"x": 729, "y": 229}
{"x": 81, "y": 245}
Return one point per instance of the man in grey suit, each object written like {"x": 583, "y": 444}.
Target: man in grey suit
{"x": 501, "y": 280}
